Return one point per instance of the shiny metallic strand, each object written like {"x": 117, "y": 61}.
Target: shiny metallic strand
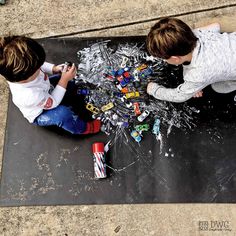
{"x": 100, "y": 59}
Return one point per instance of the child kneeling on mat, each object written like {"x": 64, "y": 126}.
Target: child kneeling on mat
{"x": 22, "y": 63}
{"x": 208, "y": 58}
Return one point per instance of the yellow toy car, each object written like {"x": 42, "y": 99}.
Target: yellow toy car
{"x": 132, "y": 95}
{"x": 107, "y": 107}
{"x": 141, "y": 67}
{"x": 92, "y": 108}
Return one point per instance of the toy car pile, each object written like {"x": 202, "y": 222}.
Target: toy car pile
{"x": 125, "y": 103}
{"x": 114, "y": 83}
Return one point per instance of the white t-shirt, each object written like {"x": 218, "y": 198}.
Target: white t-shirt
{"x": 213, "y": 60}
{"x": 34, "y": 97}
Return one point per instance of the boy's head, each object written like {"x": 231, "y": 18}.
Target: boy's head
{"x": 20, "y": 57}
{"x": 171, "y": 37}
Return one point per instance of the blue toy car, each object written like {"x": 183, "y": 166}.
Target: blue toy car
{"x": 83, "y": 91}
{"x": 156, "y": 127}
{"x": 124, "y": 82}
{"x": 136, "y": 135}
{"x": 145, "y": 73}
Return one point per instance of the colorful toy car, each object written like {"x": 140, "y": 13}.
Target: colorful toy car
{"x": 128, "y": 104}
{"x": 92, "y": 108}
{"x": 125, "y": 90}
{"x": 126, "y": 74}
{"x": 68, "y": 63}
{"x": 136, "y": 135}
{"x": 143, "y": 116}
{"x": 135, "y": 74}
{"x": 141, "y": 128}
{"x": 156, "y": 126}
{"x": 117, "y": 84}
{"x": 141, "y": 67}
{"x": 107, "y": 106}
{"x": 132, "y": 95}
{"x": 136, "y": 109}
{"x": 119, "y": 78}
{"x": 108, "y": 76}
{"x": 124, "y": 82}
{"x": 83, "y": 91}
{"x": 119, "y": 71}
{"x": 145, "y": 73}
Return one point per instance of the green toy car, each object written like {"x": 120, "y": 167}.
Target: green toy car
{"x": 143, "y": 127}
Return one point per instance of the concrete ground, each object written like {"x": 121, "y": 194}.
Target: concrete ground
{"x": 108, "y": 18}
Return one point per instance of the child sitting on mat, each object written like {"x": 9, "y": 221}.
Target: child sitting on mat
{"x": 208, "y": 57}
{"x": 22, "y": 63}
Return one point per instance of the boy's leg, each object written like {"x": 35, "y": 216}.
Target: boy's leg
{"x": 72, "y": 99}
{"x": 224, "y": 87}
{"x": 76, "y": 101}
{"x": 65, "y": 118}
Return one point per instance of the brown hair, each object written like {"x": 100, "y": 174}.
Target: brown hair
{"x": 170, "y": 37}
{"x": 20, "y": 57}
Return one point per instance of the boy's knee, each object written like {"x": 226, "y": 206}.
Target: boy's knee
{"x": 215, "y": 87}
{"x": 63, "y": 112}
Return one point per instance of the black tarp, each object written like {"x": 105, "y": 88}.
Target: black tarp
{"x": 43, "y": 166}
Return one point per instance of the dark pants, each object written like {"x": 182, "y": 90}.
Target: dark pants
{"x": 70, "y": 115}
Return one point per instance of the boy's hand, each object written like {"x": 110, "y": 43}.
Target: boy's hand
{"x": 68, "y": 73}
{"x": 198, "y": 94}
{"x": 56, "y": 69}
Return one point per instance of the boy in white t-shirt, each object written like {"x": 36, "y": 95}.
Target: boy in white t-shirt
{"x": 208, "y": 58}
{"x": 22, "y": 63}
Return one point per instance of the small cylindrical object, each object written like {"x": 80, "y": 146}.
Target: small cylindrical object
{"x": 99, "y": 161}
{"x": 68, "y": 63}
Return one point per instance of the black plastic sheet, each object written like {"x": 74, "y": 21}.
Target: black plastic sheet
{"x": 45, "y": 166}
